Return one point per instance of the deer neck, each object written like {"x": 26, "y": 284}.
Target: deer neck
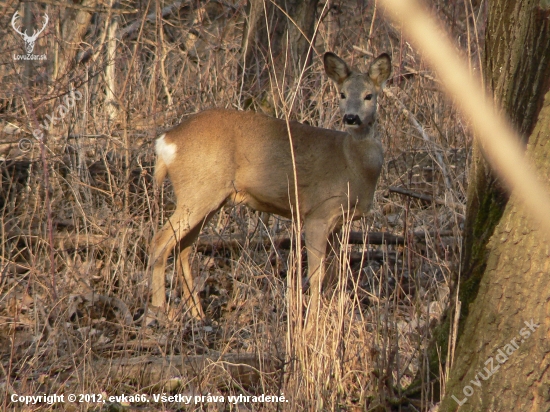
{"x": 363, "y": 132}
{"x": 364, "y": 148}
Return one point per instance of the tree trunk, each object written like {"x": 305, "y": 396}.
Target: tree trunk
{"x": 506, "y": 258}
{"x": 513, "y": 46}
{"x": 74, "y": 25}
{"x": 265, "y": 44}
{"x": 110, "y": 69}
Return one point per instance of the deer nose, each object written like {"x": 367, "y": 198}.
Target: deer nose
{"x": 352, "y": 119}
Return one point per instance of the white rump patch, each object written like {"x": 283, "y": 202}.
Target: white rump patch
{"x": 167, "y": 151}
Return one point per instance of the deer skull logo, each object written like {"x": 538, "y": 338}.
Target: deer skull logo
{"x": 29, "y": 40}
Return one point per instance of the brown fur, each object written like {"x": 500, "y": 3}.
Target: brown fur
{"x": 160, "y": 171}
{"x": 225, "y": 156}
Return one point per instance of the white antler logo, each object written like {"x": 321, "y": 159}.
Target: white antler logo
{"x": 29, "y": 40}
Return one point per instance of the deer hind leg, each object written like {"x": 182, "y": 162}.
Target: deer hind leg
{"x": 184, "y": 222}
{"x": 189, "y": 288}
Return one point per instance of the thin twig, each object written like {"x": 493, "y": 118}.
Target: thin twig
{"x": 422, "y": 132}
{"x": 70, "y": 5}
{"x": 151, "y": 17}
{"x": 45, "y": 172}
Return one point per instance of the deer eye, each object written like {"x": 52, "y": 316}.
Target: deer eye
{"x": 368, "y": 97}
{"x": 342, "y": 96}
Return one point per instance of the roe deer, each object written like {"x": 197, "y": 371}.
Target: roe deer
{"x": 217, "y": 157}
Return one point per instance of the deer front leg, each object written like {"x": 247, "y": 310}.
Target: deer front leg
{"x": 316, "y": 232}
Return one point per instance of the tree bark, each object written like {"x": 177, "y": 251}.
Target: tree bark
{"x": 265, "y": 43}
{"x": 505, "y": 292}
{"x": 514, "y": 64}
{"x": 74, "y": 25}
{"x": 513, "y": 290}
{"x": 111, "y": 104}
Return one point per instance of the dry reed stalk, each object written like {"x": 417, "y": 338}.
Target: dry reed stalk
{"x": 372, "y": 335}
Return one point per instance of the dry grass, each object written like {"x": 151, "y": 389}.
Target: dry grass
{"x": 74, "y": 276}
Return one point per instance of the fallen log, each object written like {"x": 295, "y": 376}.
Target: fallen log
{"x": 154, "y": 371}
{"x": 210, "y": 243}
{"x": 423, "y": 197}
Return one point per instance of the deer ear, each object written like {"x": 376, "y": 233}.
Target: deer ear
{"x": 380, "y": 69}
{"x": 336, "y": 68}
